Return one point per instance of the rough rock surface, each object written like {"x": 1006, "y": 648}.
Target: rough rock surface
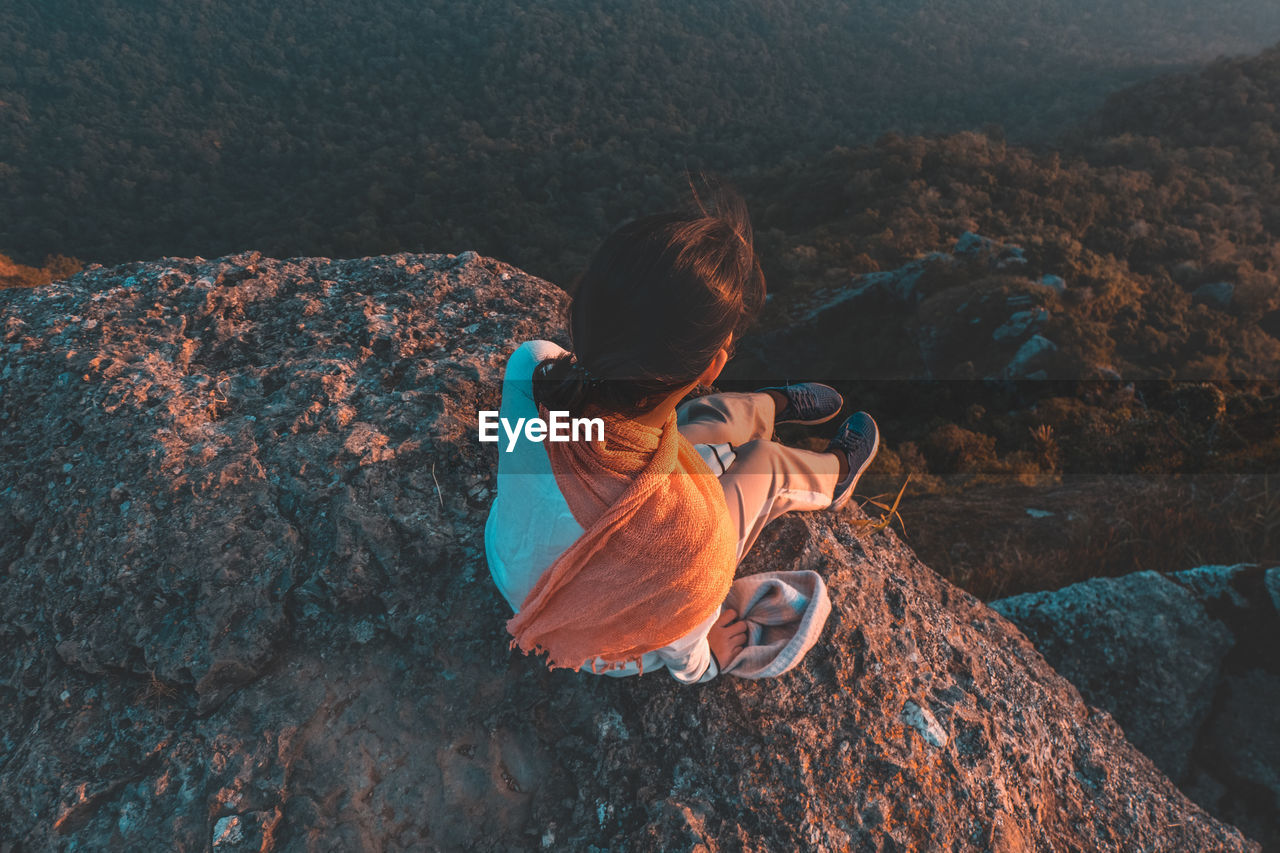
{"x": 245, "y": 606}
{"x": 1188, "y": 664}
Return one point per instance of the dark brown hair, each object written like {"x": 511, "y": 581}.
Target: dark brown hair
{"x": 660, "y": 296}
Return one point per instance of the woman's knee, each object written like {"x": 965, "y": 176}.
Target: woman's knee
{"x": 697, "y": 411}
{"x": 761, "y": 454}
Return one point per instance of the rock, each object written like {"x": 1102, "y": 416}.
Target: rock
{"x": 974, "y": 245}
{"x": 1104, "y": 372}
{"x": 1012, "y": 257}
{"x": 1186, "y": 664}
{"x": 925, "y": 723}
{"x": 1035, "y": 348}
{"x": 289, "y": 640}
{"x": 1185, "y": 272}
{"x": 1021, "y": 323}
{"x": 899, "y": 283}
{"x": 1053, "y": 282}
{"x": 1214, "y": 584}
{"x": 228, "y": 832}
{"x": 967, "y": 312}
{"x": 1168, "y": 649}
{"x": 1216, "y": 295}
{"x": 1242, "y": 781}
{"x": 896, "y": 286}
{"x": 997, "y": 255}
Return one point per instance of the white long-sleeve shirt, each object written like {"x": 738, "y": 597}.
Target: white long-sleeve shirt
{"x": 530, "y": 523}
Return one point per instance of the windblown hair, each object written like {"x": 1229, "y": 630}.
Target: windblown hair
{"x": 660, "y": 296}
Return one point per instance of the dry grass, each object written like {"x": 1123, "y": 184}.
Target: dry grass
{"x": 889, "y": 512}
{"x": 156, "y": 692}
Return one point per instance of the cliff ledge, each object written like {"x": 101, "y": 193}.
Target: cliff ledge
{"x": 245, "y": 606}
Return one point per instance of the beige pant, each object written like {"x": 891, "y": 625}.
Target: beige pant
{"x": 764, "y": 478}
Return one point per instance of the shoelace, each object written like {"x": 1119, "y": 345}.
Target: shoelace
{"x": 851, "y": 441}
{"x": 798, "y": 398}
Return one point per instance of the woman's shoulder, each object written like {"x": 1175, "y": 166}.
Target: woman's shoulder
{"x": 529, "y": 355}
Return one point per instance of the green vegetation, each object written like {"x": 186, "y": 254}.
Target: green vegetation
{"x": 1153, "y": 440}
{"x": 522, "y": 130}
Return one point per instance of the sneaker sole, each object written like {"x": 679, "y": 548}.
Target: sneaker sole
{"x": 818, "y": 421}
{"x": 875, "y": 448}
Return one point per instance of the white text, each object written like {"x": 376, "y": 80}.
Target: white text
{"x": 558, "y": 427}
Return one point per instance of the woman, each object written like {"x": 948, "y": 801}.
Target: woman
{"x": 616, "y": 555}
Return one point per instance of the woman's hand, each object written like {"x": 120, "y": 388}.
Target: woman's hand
{"x": 727, "y": 637}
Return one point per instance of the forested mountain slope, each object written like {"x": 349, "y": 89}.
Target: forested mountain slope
{"x": 1122, "y": 290}
{"x": 523, "y": 130}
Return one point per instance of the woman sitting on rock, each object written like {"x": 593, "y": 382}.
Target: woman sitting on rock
{"x": 617, "y": 555}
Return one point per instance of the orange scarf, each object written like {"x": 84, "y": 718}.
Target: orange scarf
{"x": 656, "y": 557}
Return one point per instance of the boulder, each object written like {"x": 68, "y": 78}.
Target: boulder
{"x": 1032, "y": 351}
{"x": 1218, "y": 294}
{"x": 1186, "y": 663}
{"x": 998, "y": 256}
{"x": 1021, "y": 324}
{"x": 245, "y": 606}
{"x": 1142, "y": 635}
{"x": 964, "y": 314}
{"x": 1053, "y": 282}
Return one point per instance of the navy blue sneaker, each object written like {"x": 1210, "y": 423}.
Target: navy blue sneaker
{"x": 858, "y": 439}
{"x": 808, "y": 403}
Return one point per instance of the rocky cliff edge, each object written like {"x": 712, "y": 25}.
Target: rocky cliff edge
{"x": 245, "y": 606}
